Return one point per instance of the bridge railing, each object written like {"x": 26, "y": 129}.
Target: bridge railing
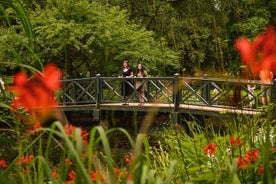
{"x": 78, "y": 91}
{"x": 209, "y": 91}
{"x": 205, "y": 91}
{"x": 158, "y": 89}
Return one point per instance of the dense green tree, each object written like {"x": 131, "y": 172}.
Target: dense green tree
{"x": 203, "y": 31}
{"x": 97, "y": 35}
{"x": 87, "y": 37}
{"x": 245, "y": 18}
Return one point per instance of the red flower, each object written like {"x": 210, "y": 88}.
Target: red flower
{"x": 234, "y": 141}
{"x": 37, "y": 126}
{"x": 243, "y": 162}
{"x": 3, "y": 163}
{"x": 72, "y": 175}
{"x": 97, "y": 176}
{"x": 55, "y": 174}
{"x": 68, "y": 161}
{"x": 83, "y": 155}
{"x": 94, "y": 175}
{"x": 260, "y": 170}
{"x": 117, "y": 171}
{"x": 252, "y": 155}
{"x": 129, "y": 158}
{"x": 210, "y": 149}
{"x": 69, "y": 130}
{"x": 25, "y": 159}
{"x": 36, "y": 94}
{"x": 259, "y": 54}
{"x": 84, "y": 135}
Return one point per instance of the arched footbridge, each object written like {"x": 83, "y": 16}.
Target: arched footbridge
{"x": 177, "y": 95}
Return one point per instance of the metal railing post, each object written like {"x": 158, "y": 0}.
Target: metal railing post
{"x": 96, "y": 112}
{"x": 98, "y": 91}
{"x": 176, "y": 97}
{"x": 273, "y": 91}
{"x": 206, "y": 91}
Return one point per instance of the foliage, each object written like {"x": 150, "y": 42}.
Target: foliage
{"x": 78, "y": 158}
{"x": 202, "y": 31}
{"x": 17, "y": 43}
{"x": 87, "y": 38}
{"x": 241, "y": 152}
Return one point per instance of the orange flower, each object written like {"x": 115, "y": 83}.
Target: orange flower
{"x": 55, "y": 174}
{"x": 252, "y": 155}
{"x": 69, "y": 130}
{"x": 68, "y": 161}
{"x": 117, "y": 171}
{"x": 72, "y": 175}
{"x": 84, "y": 135}
{"x": 25, "y": 159}
{"x": 243, "y": 162}
{"x": 97, "y": 175}
{"x": 234, "y": 141}
{"x": 3, "y": 163}
{"x": 36, "y": 94}
{"x": 130, "y": 178}
{"x": 83, "y": 155}
{"x": 259, "y": 54}
{"x": 260, "y": 170}
{"x": 129, "y": 158}
{"x": 94, "y": 175}
{"x": 210, "y": 149}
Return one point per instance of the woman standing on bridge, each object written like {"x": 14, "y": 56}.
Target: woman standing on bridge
{"x": 140, "y": 83}
{"x": 126, "y": 85}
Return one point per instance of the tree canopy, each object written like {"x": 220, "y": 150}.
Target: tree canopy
{"x": 85, "y": 37}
